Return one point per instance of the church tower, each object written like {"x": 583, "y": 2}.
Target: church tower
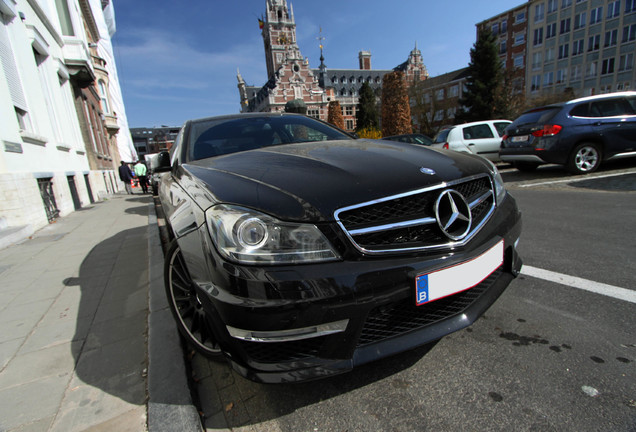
{"x": 279, "y": 35}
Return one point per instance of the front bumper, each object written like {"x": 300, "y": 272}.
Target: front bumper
{"x": 255, "y": 310}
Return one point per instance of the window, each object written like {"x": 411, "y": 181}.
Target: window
{"x": 611, "y": 38}
{"x": 536, "y": 83}
{"x": 566, "y": 3}
{"x": 65, "y": 17}
{"x": 453, "y": 91}
{"x": 495, "y": 29}
{"x": 550, "y": 31}
{"x": 520, "y": 39}
{"x": 626, "y": 62}
{"x": 479, "y": 131}
{"x": 548, "y": 78}
{"x": 349, "y": 110}
{"x": 594, "y": 43}
{"x": 578, "y": 46}
{"x": 504, "y": 26}
{"x": 518, "y": 61}
{"x": 450, "y": 113}
{"x": 549, "y": 55}
{"x": 103, "y": 96}
{"x": 439, "y": 115}
{"x": 630, "y": 5}
{"x": 580, "y": 20}
{"x": 608, "y": 66}
{"x": 561, "y": 75}
{"x": 565, "y": 25}
{"x": 552, "y": 5}
{"x": 596, "y": 15}
{"x": 349, "y": 125}
{"x": 538, "y": 36}
{"x": 592, "y": 69}
{"x": 614, "y": 9}
{"x": 502, "y": 47}
{"x": 13, "y": 80}
{"x": 629, "y": 33}
{"x": 539, "y": 12}
{"x": 439, "y": 94}
{"x": 575, "y": 72}
{"x": 610, "y": 108}
{"x": 352, "y": 80}
{"x": 520, "y": 17}
{"x": 537, "y": 60}
{"x": 564, "y": 51}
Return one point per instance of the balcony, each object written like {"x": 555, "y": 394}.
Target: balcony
{"x": 110, "y": 121}
{"x": 78, "y": 61}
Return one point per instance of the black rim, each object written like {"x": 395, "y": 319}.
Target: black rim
{"x": 191, "y": 316}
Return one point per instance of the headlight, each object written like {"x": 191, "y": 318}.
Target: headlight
{"x": 500, "y": 189}
{"x": 249, "y": 237}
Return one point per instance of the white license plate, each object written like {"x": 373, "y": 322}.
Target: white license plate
{"x": 460, "y": 277}
{"x": 520, "y": 138}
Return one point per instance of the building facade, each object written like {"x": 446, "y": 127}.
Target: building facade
{"x": 291, "y": 78}
{"x": 59, "y": 146}
{"x": 582, "y": 47}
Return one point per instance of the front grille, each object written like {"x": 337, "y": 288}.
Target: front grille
{"x": 407, "y": 222}
{"x": 392, "y": 320}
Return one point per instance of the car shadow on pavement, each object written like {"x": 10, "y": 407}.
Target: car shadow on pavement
{"x": 111, "y": 329}
{"x": 244, "y": 402}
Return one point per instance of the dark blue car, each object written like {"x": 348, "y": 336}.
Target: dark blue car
{"x": 578, "y": 134}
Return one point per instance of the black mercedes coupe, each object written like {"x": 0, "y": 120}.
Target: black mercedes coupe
{"x": 298, "y": 251}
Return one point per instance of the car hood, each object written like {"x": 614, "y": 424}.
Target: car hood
{"x": 310, "y": 181}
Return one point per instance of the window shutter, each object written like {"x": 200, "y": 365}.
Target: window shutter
{"x": 10, "y": 69}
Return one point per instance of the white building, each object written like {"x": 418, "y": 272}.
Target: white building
{"x": 47, "y": 53}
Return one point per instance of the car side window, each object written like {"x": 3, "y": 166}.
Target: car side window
{"x": 632, "y": 103}
{"x": 610, "y": 108}
{"x": 480, "y": 131}
{"x": 582, "y": 110}
{"x": 176, "y": 147}
{"x": 500, "y": 127}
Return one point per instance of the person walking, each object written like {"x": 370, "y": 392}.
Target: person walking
{"x": 126, "y": 175}
{"x": 140, "y": 172}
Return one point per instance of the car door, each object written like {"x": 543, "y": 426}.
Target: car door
{"x": 482, "y": 139}
{"x": 615, "y": 120}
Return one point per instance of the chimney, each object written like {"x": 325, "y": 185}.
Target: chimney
{"x": 365, "y": 60}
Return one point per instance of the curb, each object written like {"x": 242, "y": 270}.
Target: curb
{"x": 170, "y": 405}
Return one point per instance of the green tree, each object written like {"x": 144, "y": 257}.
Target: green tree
{"x": 396, "y": 110}
{"x": 334, "y": 115}
{"x": 367, "y": 111}
{"x": 485, "y": 79}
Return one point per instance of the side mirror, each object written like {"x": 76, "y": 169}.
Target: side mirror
{"x": 161, "y": 162}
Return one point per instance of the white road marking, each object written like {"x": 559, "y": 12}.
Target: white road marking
{"x": 584, "y": 284}
{"x": 573, "y": 180}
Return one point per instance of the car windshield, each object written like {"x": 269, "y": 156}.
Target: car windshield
{"x": 537, "y": 116}
{"x": 422, "y": 139}
{"x": 441, "y": 136}
{"x": 216, "y": 137}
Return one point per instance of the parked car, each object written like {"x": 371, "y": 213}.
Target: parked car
{"x": 299, "y": 252}
{"x": 482, "y": 138}
{"x": 411, "y": 138}
{"x": 578, "y": 134}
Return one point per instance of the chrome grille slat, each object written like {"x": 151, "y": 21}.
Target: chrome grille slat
{"x": 406, "y": 222}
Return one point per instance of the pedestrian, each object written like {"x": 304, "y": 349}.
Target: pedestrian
{"x": 140, "y": 172}
{"x": 126, "y": 175}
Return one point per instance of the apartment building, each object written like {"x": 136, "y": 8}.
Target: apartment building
{"x": 582, "y": 47}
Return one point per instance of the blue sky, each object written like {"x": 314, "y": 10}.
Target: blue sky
{"x": 177, "y": 60}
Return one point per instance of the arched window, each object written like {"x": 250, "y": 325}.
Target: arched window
{"x": 103, "y": 96}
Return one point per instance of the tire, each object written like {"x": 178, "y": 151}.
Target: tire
{"x": 193, "y": 322}
{"x": 525, "y": 166}
{"x": 585, "y": 158}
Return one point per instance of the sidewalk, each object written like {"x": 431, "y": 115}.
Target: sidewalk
{"x": 86, "y": 339}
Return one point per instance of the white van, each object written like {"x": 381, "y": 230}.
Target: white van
{"x": 482, "y": 138}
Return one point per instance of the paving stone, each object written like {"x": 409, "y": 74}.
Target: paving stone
{"x": 33, "y": 366}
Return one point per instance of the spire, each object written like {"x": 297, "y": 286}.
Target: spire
{"x": 239, "y": 77}
{"x": 291, "y": 11}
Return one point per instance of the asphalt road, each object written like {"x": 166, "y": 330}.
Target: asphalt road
{"x": 547, "y": 356}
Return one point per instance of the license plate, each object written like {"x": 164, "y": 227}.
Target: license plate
{"x": 520, "y": 138}
{"x": 460, "y": 277}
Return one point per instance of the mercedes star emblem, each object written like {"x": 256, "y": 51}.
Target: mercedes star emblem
{"x": 453, "y": 214}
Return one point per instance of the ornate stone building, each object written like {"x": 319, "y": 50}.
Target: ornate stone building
{"x": 291, "y": 78}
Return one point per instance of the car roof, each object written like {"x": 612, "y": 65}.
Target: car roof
{"x": 601, "y": 96}
{"x": 246, "y": 115}
{"x": 480, "y": 122}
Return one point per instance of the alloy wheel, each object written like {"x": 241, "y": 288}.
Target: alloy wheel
{"x": 192, "y": 319}
{"x": 585, "y": 159}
